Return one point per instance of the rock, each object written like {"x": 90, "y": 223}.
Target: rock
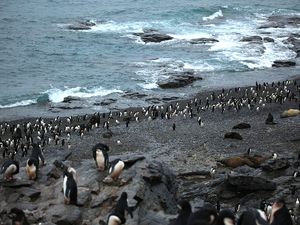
{"x": 203, "y": 40}
{"x": 133, "y": 95}
{"x": 178, "y": 80}
{"x": 281, "y": 21}
{"x": 268, "y": 39}
{"x": 69, "y": 99}
{"x": 290, "y": 113}
{"x": 251, "y": 39}
{"x": 16, "y": 183}
{"x": 84, "y": 196}
{"x": 283, "y": 63}
{"x": 270, "y": 120}
{"x": 242, "y": 126}
{"x": 32, "y": 193}
{"x": 251, "y": 183}
{"x": 233, "y": 135}
{"x": 100, "y": 199}
{"x": 275, "y": 164}
{"x": 70, "y": 215}
{"x": 106, "y": 102}
{"x": 78, "y": 27}
{"x": 107, "y": 134}
{"x": 155, "y": 37}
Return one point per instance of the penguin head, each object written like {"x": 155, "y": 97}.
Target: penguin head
{"x": 185, "y": 206}
{"x": 226, "y": 217}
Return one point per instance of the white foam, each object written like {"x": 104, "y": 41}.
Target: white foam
{"x": 199, "y": 66}
{"x": 218, "y": 14}
{"x": 58, "y": 95}
{"x": 148, "y": 86}
{"x": 21, "y": 103}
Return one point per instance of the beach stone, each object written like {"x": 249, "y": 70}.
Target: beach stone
{"x": 242, "y": 126}
{"x": 107, "y": 102}
{"x": 275, "y": 164}
{"x": 32, "y": 193}
{"x": 251, "y": 183}
{"x": 270, "y": 120}
{"x": 107, "y": 134}
{"x": 233, "y": 135}
{"x": 283, "y": 63}
{"x": 69, "y": 99}
{"x": 268, "y": 39}
{"x": 203, "y": 40}
{"x": 251, "y": 39}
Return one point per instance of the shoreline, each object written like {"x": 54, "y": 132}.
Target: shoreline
{"x": 189, "y": 151}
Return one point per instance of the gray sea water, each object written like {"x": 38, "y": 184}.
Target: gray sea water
{"x": 41, "y": 60}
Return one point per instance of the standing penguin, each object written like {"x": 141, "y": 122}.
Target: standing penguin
{"x": 18, "y": 217}
{"x": 69, "y": 188}
{"x": 116, "y": 168}
{"x": 205, "y": 215}
{"x": 100, "y": 156}
{"x": 117, "y": 216}
{"x": 9, "y": 168}
{"x": 253, "y": 217}
{"x": 226, "y": 217}
{"x": 33, "y": 162}
{"x": 185, "y": 212}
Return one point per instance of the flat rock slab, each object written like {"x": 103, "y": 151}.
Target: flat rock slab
{"x": 251, "y": 183}
{"x": 30, "y": 192}
{"x": 16, "y": 183}
{"x": 274, "y": 165}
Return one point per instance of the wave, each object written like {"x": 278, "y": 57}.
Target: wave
{"x": 20, "y": 103}
{"x": 57, "y": 95}
{"x": 218, "y": 14}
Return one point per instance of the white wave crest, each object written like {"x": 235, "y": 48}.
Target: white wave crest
{"x": 21, "y": 103}
{"x": 215, "y": 15}
{"x": 58, "y": 95}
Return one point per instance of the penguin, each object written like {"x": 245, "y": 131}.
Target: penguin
{"x": 206, "y": 215}
{"x": 9, "y": 168}
{"x": 185, "y": 212}
{"x": 69, "y": 188}
{"x": 116, "y": 168}
{"x": 117, "y": 216}
{"x": 280, "y": 214}
{"x": 226, "y": 217}
{"x": 100, "y": 156}
{"x": 33, "y": 162}
{"x": 253, "y": 217}
{"x": 18, "y": 217}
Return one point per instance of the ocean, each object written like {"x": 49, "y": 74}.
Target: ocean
{"x": 108, "y": 66}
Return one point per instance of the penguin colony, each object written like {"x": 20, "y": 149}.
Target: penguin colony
{"x": 17, "y": 140}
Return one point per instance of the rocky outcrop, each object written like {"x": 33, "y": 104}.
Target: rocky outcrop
{"x": 84, "y": 25}
{"x": 281, "y": 21}
{"x": 178, "y": 80}
{"x": 251, "y": 39}
{"x": 237, "y": 161}
{"x": 242, "y": 126}
{"x": 151, "y": 35}
{"x": 275, "y": 164}
{"x": 233, "y": 135}
{"x": 283, "y": 63}
{"x": 203, "y": 40}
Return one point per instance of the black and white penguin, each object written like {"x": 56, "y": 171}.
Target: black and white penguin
{"x": 280, "y": 214}
{"x": 184, "y": 214}
{"x": 100, "y": 156}
{"x": 9, "y": 168}
{"x": 226, "y": 217}
{"x": 69, "y": 188}
{"x": 253, "y": 217}
{"x": 32, "y": 165}
{"x": 18, "y": 217}
{"x": 116, "y": 168}
{"x": 117, "y": 216}
{"x": 206, "y": 215}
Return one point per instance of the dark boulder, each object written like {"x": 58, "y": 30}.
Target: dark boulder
{"x": 283, "y": 63}
{"x": 251, "y": 39}
{"x": 152, "y": 35}
{"x": 203, "y": 40}
{"x": 251, "y": 183}
{"x": 233, "y": 135}
{"x": 178, "y": 80}
{"x": 69, "y": 99}
{"x": 242, "y": 126}
{"x": 275, "y": 164}
{"x": 268, "y": 39}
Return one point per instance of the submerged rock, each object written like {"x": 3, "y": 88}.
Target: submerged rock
{"x": 203, "y": 40}
{"x": 283, "y": 63}
{"x": 251, "y": 39}
{"x": 152, "y": 35}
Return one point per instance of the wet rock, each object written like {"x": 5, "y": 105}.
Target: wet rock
{"x": 283, "y": 63}
{"x": 106, "y": 102}
{"x": 251, "y": 183}
{"x": 16, "y": 183}
{"x": 242, "y": 126}
{"x": 270, "y": 120}
{"x": 134, "y": 95}
{"x": 268, "y": 39}
{"x": 275, "y": 164}
{"x": 78, "y": 27}
{"x": 69, "y": 99}
{"x": 294, "y": 42}
{"x": 251, "y": 39}
{"x": 203, "y": 40}
{"x": 233, "y": 135}
{"x": 179, "y": 80}
{"x": 155, "y": 37}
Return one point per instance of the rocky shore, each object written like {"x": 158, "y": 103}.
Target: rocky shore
{"x": 221, "y": 146}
